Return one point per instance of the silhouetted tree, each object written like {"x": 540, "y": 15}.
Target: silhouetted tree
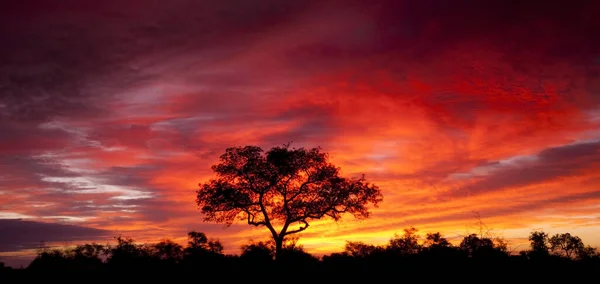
{"x": 199, "y": 243}
{"x": 169, "y": 251}
{"x": 50, "y": 260}
{"x": 87, "y": 256}
{"x": 197, "y": 240}
{"x": 202, "y": 252}
{"x": 408, "y": 243}
{"x": 91, "y": 251}
{"x": 475, "y": 246}
{"x": 360, "y": 249}
{"x": 436, "y": 240}
{"x": 127, "y": 254}
{"x": 258, "y": 252}
{"x": 438, "y": 249}
{"x": 587, "y": 252}
{"x": 566, "y": 244}
{"x": 538, "y": 241}
{"x": 280, "y": 188}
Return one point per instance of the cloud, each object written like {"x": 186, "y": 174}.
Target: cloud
{"x": 549, "y": 164}
{"x": 20, "y": 234}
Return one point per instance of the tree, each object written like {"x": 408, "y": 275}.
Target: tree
{"x": 539, "y": 244}
{"x": 87, "y": 256}
{"x": 199, "y": 243}
{"x": 436, "y": 240}
{"x": 90, "y": 251}
{"x": 168, "y": 250}
{"x": 566, "y": 244}
{"x": 407, "y": 243}
{"x": 128, "y": 254}
{"x": 587, "y": 252}
{"x": 473, "y": 245}
{"x": 258, "y": 252}
{"x": 360, "y": 249}
{"x": 282, "y": 188}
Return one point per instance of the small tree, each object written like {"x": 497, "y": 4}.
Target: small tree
{"x": 539, "y": 244}
{"x": 587, "y": 252}
{"x": 436, "y": 240}
{"x": 258, "y": 252}
{"x": 566, "y": 244}
{"x": 473, "y": 245}
{"x": 168, "y": 250}
{"x": 407, "y": 243}
{"x": 281, "y": 188}
{"x": 360, "y": 249}
{"x": 199, "y": 243}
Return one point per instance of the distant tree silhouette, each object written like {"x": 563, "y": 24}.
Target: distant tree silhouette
{"x": 360, "y": 249}
{"x": 406, "y": 244}
{"x": 441, "y": 260}
{"x": 169, "y": 251}
{"x": 538, "y": 241}
{"x": 258, "y": 252}
{"x": 202, "y": 252}
{"x": 436, "y": 240}
{"x": 588, "y": 252}
{"x": 475, "y": 246}
{"x": 281, "y": 188}
{"x": 566, "y": 245}
{"x": 49, "y": 260}
{"x": 90, "y": 251}
{"x": 198, "y": 242}
{"x": 437, "y": 248}
{"x": 87, "y": 256}
{"x": 128, "y": 254}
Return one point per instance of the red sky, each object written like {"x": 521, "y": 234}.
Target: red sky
{"x": 111, "y": 113}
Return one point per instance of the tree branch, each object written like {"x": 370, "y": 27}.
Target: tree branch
{"x": 266, "y": 215}
{"x": 304, "y": 184}
{"x": 299, "y": 229}
{"x": 251, "y": 220}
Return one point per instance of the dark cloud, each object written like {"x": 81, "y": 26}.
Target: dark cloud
{"x": 65, "y": 192}
{"x": 549, "y": 164}
{"x": 20, "y": 235}
{"x": 137, "y": 175}
{"x": 527, "y": 207}
{"x": 28, "y": 172}
{"x": 68, "y": 60}
{"x": 24, "y": 138}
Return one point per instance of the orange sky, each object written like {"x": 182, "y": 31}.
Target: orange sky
{"x": 112, "y": 114}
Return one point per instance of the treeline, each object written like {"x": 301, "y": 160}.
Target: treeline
{"x": 431, "y": 257}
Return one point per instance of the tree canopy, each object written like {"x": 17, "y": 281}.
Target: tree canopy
{"x": 282, "y": 190}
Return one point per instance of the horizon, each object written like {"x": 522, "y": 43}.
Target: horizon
{"x": 112, "y": 113}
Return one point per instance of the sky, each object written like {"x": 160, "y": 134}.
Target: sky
{"x": 112, "y": 112}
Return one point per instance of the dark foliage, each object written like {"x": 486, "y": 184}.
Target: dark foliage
{"x": 476, "y": 258}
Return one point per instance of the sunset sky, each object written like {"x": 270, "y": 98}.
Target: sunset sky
{"x": 112, "y": 112}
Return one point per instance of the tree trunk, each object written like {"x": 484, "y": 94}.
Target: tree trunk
{"x": 278, "y": 248}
